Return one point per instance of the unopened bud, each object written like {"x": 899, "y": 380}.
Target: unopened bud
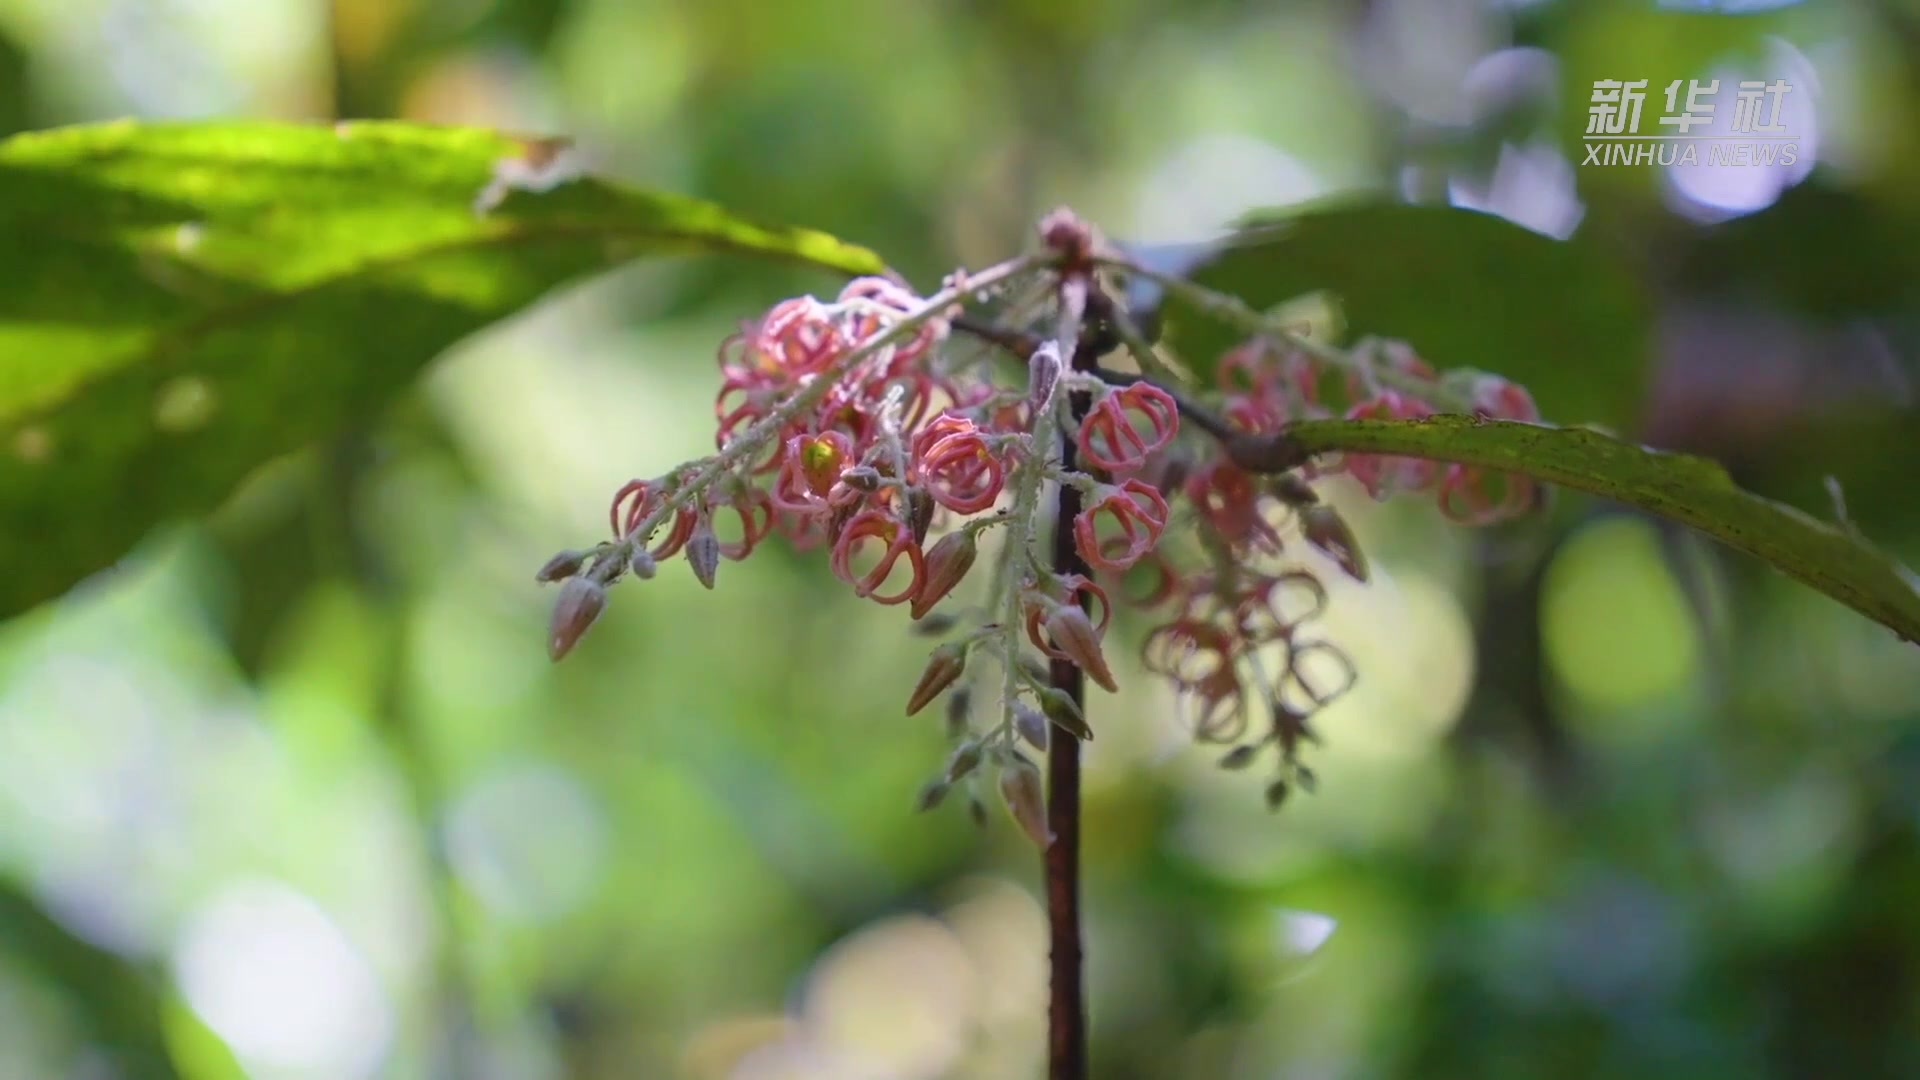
{"x": 643, "y": 564}
{"x": 920, "y": 506}
{"x": 703, "y": 552}
{"x": 977, "y": 810}
{"x": 959, "y": 712}
{"x": 1276, "y": 794}
{"x": 1031, "y": 725}
{"x": 965, "y": 759}
{"x": 561, "y": 566}
{"x": 1043, "y": 375}
{"x": 1289, "y": 488}
{"x": 935, "y": 625}
{"x": 581, "y": 602}
{"x": 1065, "y": 713}
{"x": 943, "y": 667}
{"x": 1327, "y": 530}
{"x": 1064, "y": 232}
{"x": 1021, "y": 790}
{"x": 934, "y": 794}
{"x": 946, "y": 563}
{"x": 1305, "y": 777}
{"x": 863, "y": 478}
{"x": 1239, "y": 757}
{"x": 1072, "y": 633}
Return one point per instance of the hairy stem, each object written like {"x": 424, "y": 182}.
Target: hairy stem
{"x": 1066, "y": 969}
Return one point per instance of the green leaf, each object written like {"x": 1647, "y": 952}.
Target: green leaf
{"x": 1690, "y": 490}
{"x": 1465, "y": 289}
{"x": 183, "y": 302}
{"x": 113, "y": 1001}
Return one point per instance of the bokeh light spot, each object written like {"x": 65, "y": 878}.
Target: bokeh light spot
{"x": 275, "y": 976}
{"x": 1617, "y": 628}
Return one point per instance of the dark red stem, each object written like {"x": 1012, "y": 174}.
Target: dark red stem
{"x": 1067, "y": 1004}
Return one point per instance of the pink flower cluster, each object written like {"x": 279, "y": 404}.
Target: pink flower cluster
{"x": 894, "y": 448}
{"x": 1268, "y": 386}
{"x": 894, "y": 460}
{"x": 889, "y": 445}
{"x": 1245, "y": 606}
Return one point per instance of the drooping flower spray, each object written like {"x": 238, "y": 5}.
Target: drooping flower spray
{"x": 852, "y": 425}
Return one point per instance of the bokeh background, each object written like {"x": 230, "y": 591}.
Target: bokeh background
{"x": 296, "y": 794}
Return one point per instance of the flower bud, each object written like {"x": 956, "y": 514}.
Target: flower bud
{"x": 1043, "y": 376}
{"x": 703, "y": 552}
{"x": 959, "y": 712}
{"x": 1289, "y": 488}
{"x": 935, "y": 626}
{"x": 1305, "y": 777}
{"x": 965, "y": 759}
{"x": 1239, "y": 757}
{"x": 1072, "y": 633}
{"x": 862, "y": 478}
{"x": 934, "y": 794}
{"x": 977, "y": 810}
{"x": 561, "y": 566}
{"x": 920, "y": 507}
{"x": 1276, "y": 794}
{"x": 947, "y": 562}
{"x": 943, "y": 667}
{"x": 1021, "y": 790}
{"x": 1065, "y": 714}
{"x": 1327, "y": 530}
{"x": 1031, "y": 725}
{"x": 643, "y": 564}
{"x": 581, "y": 602}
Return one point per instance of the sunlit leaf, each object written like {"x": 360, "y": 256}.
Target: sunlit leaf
{"x": 1693, "y": 491}
{"x": 184, "y": 302}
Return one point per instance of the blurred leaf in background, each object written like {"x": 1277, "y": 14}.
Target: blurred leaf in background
{"x": 195, "y": 300}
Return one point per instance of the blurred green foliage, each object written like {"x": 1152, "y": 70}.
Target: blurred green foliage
{"x": 1560, "y": 316}
{"x": 294, "y": 793}
{"x": 197, "y": 299}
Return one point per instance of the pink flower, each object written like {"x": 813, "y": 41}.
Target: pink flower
{"x": 634, "y": 502}
{"x": 1228, "y": 500}
{"x": 799, "y": 337}
{"x": 888, "y": 295}
{"x": 809, "y": 467}
{"x": 1382, "y": 476}
{"x": 1501, "y": 399}
{"x": 896, "y": 540}
{"x": 952, "y": 460}
{"x": 1108, "y": 437}
{"x": 1141, "y": 513}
